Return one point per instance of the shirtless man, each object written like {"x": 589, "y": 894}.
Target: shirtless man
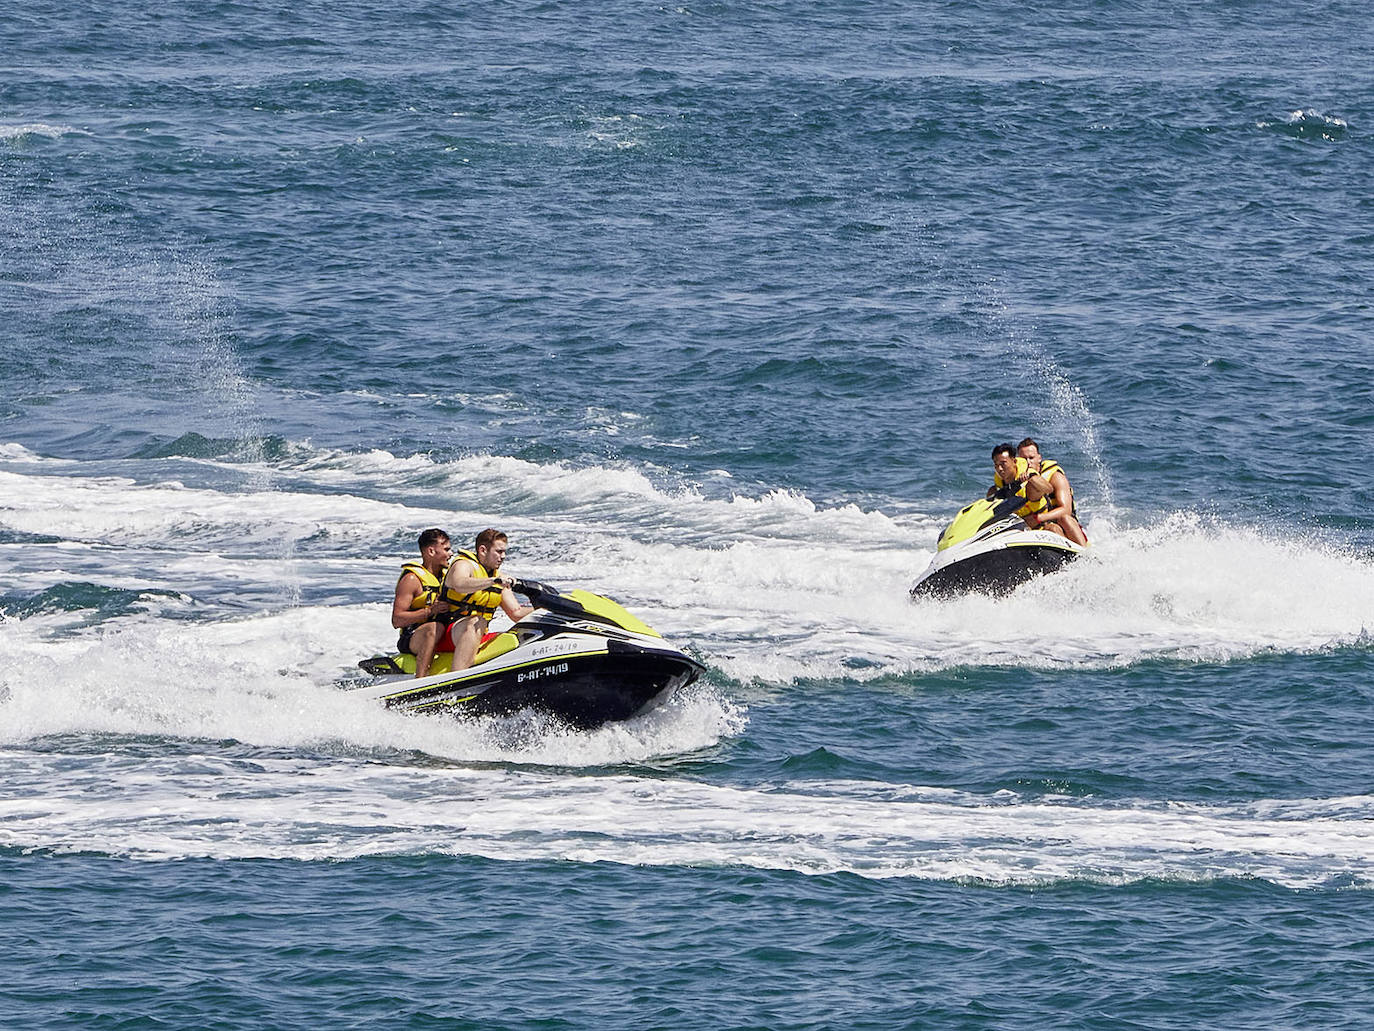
{"x": 475, "y": 592}
{"x": 417, "y": 607}
{"x": 1060, "y": 499}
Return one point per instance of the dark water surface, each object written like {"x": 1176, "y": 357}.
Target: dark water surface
{"x": 716, "y": 309}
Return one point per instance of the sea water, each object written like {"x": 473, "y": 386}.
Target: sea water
{"x": 717, "y": 309}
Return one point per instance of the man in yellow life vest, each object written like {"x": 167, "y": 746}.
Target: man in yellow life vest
{"x": 474, "y": 592}
{"x": 1061, "y": 508}
{"x": 1014, "y": 475}
{"x": 417, "y": 611}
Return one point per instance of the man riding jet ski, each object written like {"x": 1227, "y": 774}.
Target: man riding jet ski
{"x": 1060, "y": 510}
{"x": 991, "y": 546}
{"x": 577, "y": 655}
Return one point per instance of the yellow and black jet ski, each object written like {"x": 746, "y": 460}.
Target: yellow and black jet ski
{"x": 987, "y": 548}
{"x": 579, "y": 656}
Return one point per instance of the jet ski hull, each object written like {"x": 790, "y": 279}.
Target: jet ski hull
{"x": 998, "y": 571}
{"x": 579, "y": 657}
{"x": 988, "y": 550}
{"x": 584, "y": 691}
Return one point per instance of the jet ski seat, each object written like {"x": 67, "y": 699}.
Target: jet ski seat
{"x": 493, "y": 645}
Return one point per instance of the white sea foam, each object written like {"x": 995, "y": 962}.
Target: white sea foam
{"x": 270, "y": 681}
{"x": 1312, "y": 115}
{"x": 118, "y": 511}
{"x": 356, "y": 780}
{"x": 769, "y": 588}
{"x": 1308, "y": 123}
{"x": 631, "y": 493}
{"x": 209, "y": 805}
{"x": 620, "y": 131}
{"x": 52, "y": 132}
{"x": 18, "y": 453}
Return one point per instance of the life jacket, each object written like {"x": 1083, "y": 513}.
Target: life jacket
{"x": 1048, "y": 467}
{"x": 482, "y": 603}
{"x": 430, "y": 585}
{"x": 1022, "y": 471}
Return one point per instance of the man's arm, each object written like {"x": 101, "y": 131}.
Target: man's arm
{"x": 1063, "y": 498}
{"x": 512, "y": 607}
{"x": 1037, "y": 487}
{"x": 402, "y": 615}
{"x": 461, "y": 581}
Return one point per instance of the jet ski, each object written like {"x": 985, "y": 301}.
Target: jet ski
{"x": 579, "y": 656}
{"x": 989, "y": 549}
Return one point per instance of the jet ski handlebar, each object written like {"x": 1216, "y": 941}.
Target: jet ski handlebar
{"x": 534, "y": 590}
{"x": 546, "y": 596}
{"x": 1008, "y": 505}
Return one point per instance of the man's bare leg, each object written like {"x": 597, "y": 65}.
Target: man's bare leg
{"x": 1073, "y": 531}
{"x": 423, "y": 642}
{"x": 467, "y": 636}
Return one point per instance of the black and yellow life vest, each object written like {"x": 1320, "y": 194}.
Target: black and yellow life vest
{"x": 482, "y": 603}
{"x": 1048, "y": 467}
{"x": 1022, "y": 472}
{"x": 430, "y": 585}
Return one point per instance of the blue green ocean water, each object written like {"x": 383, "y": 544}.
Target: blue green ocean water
{"x": 718, "y": 309}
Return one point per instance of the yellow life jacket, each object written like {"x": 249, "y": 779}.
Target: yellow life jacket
{"x": 1048, "y": 467}
{"x": 1023, "y": 471}
{"x": 482, "y": 603}
{"x": 430, "y": 585}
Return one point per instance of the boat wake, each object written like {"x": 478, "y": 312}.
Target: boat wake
{"x": 194, "y": 804}
{"x": 174, "y": 699}
{"x": 765, "y": 588}
{"x": 269, "y": 682}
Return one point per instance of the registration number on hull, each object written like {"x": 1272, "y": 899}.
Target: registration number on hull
{"x": 542, "y": 671}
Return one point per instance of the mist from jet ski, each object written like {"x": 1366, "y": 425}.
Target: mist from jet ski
{"x": 578, "y": 656}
